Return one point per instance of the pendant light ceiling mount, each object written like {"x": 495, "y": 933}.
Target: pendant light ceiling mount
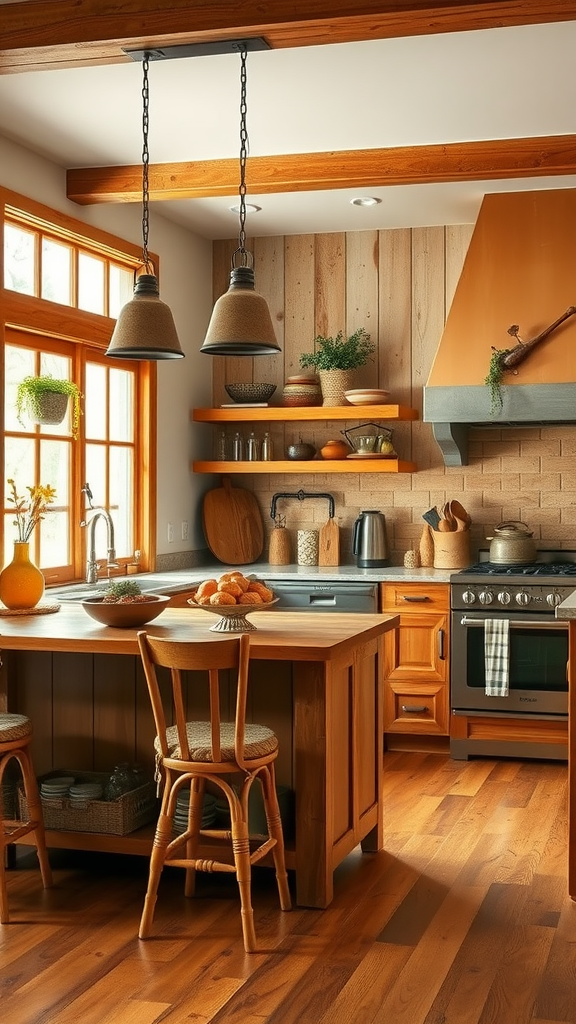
{"x": 145, "y": 328}
{"x": 209, "y": 49}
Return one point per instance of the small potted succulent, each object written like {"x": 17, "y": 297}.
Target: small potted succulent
{"x": 45, "y": 400}
{"x": 336, "y": 359}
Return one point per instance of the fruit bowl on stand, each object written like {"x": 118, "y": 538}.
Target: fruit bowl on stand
{"x": 232, "y": 617}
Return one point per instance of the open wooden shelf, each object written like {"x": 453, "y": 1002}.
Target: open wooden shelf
{"x": 285, "y": 414}
{"x": 310, "y": 466}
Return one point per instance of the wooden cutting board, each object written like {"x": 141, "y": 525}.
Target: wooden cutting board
{"x": 329, "y": 543}
{"x": 232, "y": 524}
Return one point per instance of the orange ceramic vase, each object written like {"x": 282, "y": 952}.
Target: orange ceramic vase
{"x": 21, "y": 582}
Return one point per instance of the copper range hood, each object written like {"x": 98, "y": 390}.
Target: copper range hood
{"x": 520, "y": 269}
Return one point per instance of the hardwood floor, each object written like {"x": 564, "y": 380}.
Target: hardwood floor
{"x": 464, "y": 919}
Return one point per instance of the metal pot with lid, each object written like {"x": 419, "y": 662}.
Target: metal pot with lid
{"x": 513, "y": 543}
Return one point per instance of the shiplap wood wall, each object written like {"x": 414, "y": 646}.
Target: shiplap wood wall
{"x": 399, "y": 285}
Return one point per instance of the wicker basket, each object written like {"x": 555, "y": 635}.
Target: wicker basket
{"x": 115, "y": 817}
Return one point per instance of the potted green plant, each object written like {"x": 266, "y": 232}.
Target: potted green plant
{"x": 336, "y": 359}
{"x": 45, "y": 400}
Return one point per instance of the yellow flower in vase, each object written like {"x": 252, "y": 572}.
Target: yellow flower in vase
{"x": 21, "y": 582}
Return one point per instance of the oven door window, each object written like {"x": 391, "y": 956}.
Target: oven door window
{"x": 537, "y": 659}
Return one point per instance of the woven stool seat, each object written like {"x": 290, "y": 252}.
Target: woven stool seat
{"x": 259, "y": 741}
{"x": 14, "y": 727}
{"x": 15, "y": 737}
{"x": 191, "y": 754}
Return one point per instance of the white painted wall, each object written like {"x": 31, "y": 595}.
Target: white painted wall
{"x": 186, "y": 286}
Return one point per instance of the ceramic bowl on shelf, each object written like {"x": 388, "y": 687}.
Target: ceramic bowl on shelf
{"x": 232, "y": 617}
{"x": 125, "y": 615}
{"x": 250, "y": 392}
{"x": 367, "y": 396}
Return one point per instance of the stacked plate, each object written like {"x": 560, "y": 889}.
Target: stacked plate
{"x": 367, "y": 396}
{"x": 56, "y": 787}
{"x": 181, "y": 812}
{"x": 82, "y": 792}
{"x": 301, "y": 391}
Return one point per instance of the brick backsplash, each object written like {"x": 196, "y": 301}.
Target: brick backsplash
{"x": 512, "y": 474}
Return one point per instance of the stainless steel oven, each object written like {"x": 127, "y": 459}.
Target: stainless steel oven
{"x": 538, "y": 642}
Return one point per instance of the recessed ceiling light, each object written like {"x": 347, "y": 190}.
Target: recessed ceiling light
{"x": 249, "y": 207}
{"x": 365, "y": 201}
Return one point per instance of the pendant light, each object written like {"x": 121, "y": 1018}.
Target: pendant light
{"x": 145, "y": 328}
{"x": 241, "y": 324}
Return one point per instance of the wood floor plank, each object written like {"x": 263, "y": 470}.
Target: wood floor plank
{"x": 464, "y": 918}
{"x": 463, "y": 994}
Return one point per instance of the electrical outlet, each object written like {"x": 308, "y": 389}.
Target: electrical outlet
{"x": 184, "y": 531}
{"x": 170, "y": 533}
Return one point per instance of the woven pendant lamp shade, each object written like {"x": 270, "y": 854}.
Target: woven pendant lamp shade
{"x": 241, "y": 324}
{"x": 145, "y": 327}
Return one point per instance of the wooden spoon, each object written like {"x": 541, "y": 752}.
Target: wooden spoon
{"x": 444, "y": 526}
{"x": 460, "y": 514}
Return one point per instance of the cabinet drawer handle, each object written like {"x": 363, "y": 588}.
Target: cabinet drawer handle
{"x": 441, "y": 654}
{"x": 415, "y": 599}
{"x": 414, "y": 709}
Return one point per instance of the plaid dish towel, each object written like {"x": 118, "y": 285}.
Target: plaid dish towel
{"x": 496, "y": 652}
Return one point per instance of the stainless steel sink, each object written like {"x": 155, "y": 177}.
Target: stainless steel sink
{"x": 148, "y": 583}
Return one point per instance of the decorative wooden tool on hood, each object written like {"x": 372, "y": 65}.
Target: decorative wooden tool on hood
{"x": 329, "y": 534}
{"x": 233, "y": 524}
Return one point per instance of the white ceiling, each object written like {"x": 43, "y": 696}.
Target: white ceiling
{"x": 467, "y": 86}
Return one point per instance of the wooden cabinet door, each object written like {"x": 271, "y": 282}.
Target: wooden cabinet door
{"x": 416, "y": 659}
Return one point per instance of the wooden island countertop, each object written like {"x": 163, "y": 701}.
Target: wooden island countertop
{"x": 323, "y": 696}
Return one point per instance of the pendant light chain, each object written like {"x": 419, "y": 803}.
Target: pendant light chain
{"x": 244, "y": 147}
{"x": 145, "y": 160}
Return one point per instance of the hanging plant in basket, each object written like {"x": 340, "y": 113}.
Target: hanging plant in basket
{"x": 45, "y": 400}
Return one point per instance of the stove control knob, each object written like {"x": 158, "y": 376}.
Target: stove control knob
{"x": 522, "y": 598}
{"x": 504, "y": 597}
{"x": 468, "y": 597}
{"x": 486, "y": 597}
{"x": 553, "y": 599}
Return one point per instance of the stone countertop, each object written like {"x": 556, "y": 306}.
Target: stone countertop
{"x": 567, "y": 609}
{"x": 183, "y": 579}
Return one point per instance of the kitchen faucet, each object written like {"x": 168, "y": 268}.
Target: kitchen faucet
{"x": 99, "y": 513}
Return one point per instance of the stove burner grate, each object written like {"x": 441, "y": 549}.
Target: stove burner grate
{"x": 528, "y": 569}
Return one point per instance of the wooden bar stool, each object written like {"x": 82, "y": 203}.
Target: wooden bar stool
{"x": 188, "y": 754}
{"x": 15, "y": 737}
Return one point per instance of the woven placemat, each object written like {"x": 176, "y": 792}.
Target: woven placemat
{"x": 44, "y": 608}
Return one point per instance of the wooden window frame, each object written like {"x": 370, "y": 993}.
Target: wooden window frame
{"x": 45, "y": 319}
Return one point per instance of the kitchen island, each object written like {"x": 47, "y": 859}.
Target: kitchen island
{"x": 316, "y": 679}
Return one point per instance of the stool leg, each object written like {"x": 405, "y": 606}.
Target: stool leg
{"x": 162, "y": 838}
{"x": 35, "y": 810}
{"x": 275, "y": 831}
{"x": 241, "y": 849}
{"x": 197, "y": 787}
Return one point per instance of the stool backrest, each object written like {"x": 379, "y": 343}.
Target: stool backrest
{"x": 211, "y": 657}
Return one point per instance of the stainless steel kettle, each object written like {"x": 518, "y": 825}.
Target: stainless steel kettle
{"x": 369, "y": 540}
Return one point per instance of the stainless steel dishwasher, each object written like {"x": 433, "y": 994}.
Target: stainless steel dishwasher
{"x": 324, "y": 596}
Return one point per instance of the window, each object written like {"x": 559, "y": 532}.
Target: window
{"x": 63, "y": 286}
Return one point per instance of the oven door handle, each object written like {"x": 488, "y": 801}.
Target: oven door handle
{"x": 521, "y": 623}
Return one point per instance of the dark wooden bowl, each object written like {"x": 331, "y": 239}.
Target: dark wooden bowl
{"x": 124, "y": 616}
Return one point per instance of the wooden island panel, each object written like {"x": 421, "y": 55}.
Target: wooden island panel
{"x": 317, "y": 680}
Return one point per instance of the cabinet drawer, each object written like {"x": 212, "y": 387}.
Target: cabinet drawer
{"x": 415, "y": 596}
{"x": 416, "y": 709}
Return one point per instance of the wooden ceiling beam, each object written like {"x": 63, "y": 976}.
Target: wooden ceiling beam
{"x": 39, "y": 35}
{"x": 303, "y": 172}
